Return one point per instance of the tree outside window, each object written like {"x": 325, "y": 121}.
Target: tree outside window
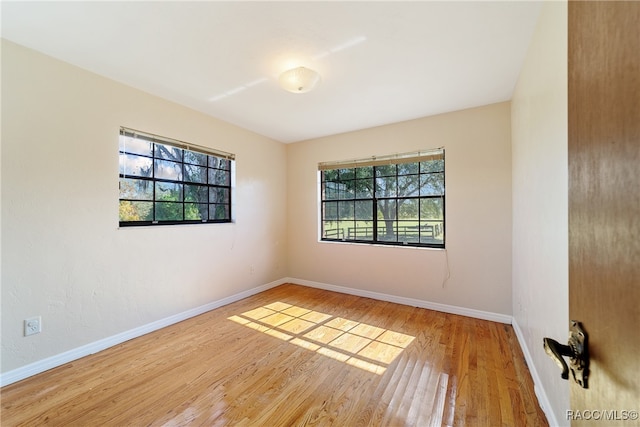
{"x": 163, "y": 181}
{"x": 398, "y": 200}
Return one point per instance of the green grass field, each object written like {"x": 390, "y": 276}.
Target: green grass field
{"x": 410, "y": 231}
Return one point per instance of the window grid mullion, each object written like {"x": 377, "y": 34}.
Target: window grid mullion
{"x": 208, "y": 189}
{"x": 397, "y": 205}
{"x": 375, "y": 204}
{"x": 397, "y": 198}
{"x": 180, "y": 161}
{"x": 182, "y": 168}
{"x": 153, "y": 176}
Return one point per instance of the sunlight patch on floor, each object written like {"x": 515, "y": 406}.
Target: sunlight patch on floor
{"x": 358, "y": 344}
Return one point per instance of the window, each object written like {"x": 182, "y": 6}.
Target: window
{"x": 164, "y": 181}
{"x": 395, "y": 200}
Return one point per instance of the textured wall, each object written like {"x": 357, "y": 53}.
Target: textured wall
{"x": 63, "y": 256}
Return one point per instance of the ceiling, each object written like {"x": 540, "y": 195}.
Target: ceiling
{"x": 380, "y": 62}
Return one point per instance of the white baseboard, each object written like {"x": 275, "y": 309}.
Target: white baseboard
{"x": 469, "y": 312}
{"x": 34, "y": 368}
{"x": 541, "y": 394}
{"x": 96, "y": 346}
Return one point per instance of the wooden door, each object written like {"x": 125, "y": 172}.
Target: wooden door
{"x": 604, "y": 206}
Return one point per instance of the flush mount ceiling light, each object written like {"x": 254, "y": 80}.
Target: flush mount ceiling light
{"x": 299, "y": 80}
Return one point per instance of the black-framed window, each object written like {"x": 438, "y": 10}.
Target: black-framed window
{"x": 165, "y": 181}
{"x": 395, "y": 200}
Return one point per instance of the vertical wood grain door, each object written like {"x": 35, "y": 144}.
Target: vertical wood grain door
{"x": 604, "y": 206}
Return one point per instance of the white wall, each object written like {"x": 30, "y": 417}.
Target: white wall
{"x": 63, "y": 256}
{"x": 478, "y": 213}
{"x": 540, "y": 200}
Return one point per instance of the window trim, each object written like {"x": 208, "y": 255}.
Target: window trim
{"x": 395, "y": 159}
{"x": 153, "y": 180}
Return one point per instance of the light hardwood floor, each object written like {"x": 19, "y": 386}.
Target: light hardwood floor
{"x": 293, "y": 356}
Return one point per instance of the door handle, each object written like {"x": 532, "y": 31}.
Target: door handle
{"x": 576, "y": 350}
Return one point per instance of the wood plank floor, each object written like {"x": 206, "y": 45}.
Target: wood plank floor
{"x": 293, "y": 356}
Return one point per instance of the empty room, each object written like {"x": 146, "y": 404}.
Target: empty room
{"x": 319, "y": 213}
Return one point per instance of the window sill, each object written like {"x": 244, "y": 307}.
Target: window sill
{"x": 379, "y": 245}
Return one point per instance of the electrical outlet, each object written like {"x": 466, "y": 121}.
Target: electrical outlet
{"x": 32, "y": 326}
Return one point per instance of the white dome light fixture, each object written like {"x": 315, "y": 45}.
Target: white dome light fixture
{"x": 299, "y": 80}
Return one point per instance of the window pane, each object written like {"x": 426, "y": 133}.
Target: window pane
{"x": 193, "y": 173}
{"x": 347, "y": 190}
{"x": 432, "y": 221}
{"x": 365, "y": 172}
{"x": 218, "y": 195}
{"x": 346, "y": 174}
{"x": 219, "y": 212}
{"x": 330, "y": 175}
{"x": 138, "y": 189}
{"x": 195, "y": 193}
{"x": 386, "y": 220}
{"x": 408, "y": 231}
{"x": 196, "y": 211}
{"x": 386, "y": 187}
{"x": 432, "y": 184}
{"x": 408, "y": 209}
{"x": 195, "y": 158}
{"x": 408, "y": 185}
{"x": 219, "y": 177}
{"x": 168, "y": 170}
{"x": 330, "y": 211}
{"x": 386, "y": 209}
{"x": 364, "y": 188}
{"x": 431, "y": 209}
{"x": 346, "y": 210}
{"x": 133, "y": 165}
{"x": 219, "y": 163}
{"x": 387, "y": 230}
{"x": 431, "y": 232}
{"x": 135, "y": 146}
{"x": 386, "y": 170}
{"x": 136, "y": 211}
{"x": 168, "y": 192}
{"x": 353, "y": 230}
{"x": 347, "y": 228}
{"x": 432, "y": 166}
{"x": 331, "y": 190}
{"x": 364, "y": 210}
{"x": 363, "y": 230}
{"x": 168, "y": 211}
{"x": 168, "y": 152}
{"x": 331, "y": 230}
{"x": 407, "y": 168}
